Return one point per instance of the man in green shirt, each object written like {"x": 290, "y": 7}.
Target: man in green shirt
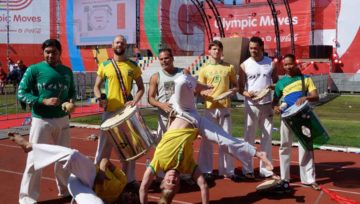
{"x": 47, "y": 87}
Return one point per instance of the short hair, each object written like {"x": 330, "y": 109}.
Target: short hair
{"x": 51, "y": 43}
{"x": 166, "y": 50}
{"x": 291, "y": 56}
{"x": 123, "y": 37}
{"x": 258, "y": 40}
{"x": 216, "y": 43}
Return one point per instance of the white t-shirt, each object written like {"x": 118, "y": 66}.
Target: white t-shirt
{"x": 258, "y": 77}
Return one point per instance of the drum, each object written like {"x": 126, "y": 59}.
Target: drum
{"x": 261, "y": 94}
{"x": 274, "y": 186}
{"x": 130, "y": 135}
{"x": 222, "y": 96}
{"x": 306, "y": 125}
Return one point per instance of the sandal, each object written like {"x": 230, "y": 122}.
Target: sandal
{"x": 314, "y": 186}
{"x": 275, "y": 177}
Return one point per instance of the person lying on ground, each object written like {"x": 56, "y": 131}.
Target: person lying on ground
{"x": 87, "y": 183}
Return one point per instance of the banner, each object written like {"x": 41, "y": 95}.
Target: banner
{"x": 98, "y": 22}
{"x": 250, "y": 20}
{"x": 28, "y": 21}
{"x": 182, "y": 27}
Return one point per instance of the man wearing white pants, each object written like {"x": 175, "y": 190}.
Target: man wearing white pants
{"x": 47, "y": 87}
{"x": 257, "y": 73}
{"x": 294, "y": 88}
{"x": 222, "y": 76}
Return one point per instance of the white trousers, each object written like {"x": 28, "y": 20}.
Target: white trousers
{"x": 237, "y": 148}
{"x": 105, "y": 146}
{"x": 162, "y": 127}
{"x": 82, "y": 169}
{"x": 306, "y": 158}
{"x": 222, "y": 117}
{"x": 44, "y": 131}
{"x": 258, "y": 116}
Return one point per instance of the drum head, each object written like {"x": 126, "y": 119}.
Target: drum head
{"x": 292, "y": 110}
{"x": 261, "y": 94}
{"x": 222, "y": 96}
{"x": 119, "y": 117}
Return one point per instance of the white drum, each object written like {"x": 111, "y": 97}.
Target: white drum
{"x": 131, "y": 137}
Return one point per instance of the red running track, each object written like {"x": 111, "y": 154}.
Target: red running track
{"x": 13, "y": 120}
{"x": 336, "y": 171}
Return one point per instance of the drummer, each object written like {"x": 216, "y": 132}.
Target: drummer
{"x": 174, "y": 154}
{"x": 222, "y": 76}
{"x": 295, "y": 88}
{"x": 118, "y": 75}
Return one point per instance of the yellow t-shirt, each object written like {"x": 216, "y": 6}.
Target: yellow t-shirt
{"x": 219, "y": 76}
{"x": 129, "y": 72}
{"x": 175, "y": 151}
{"x": 112, "y": 186}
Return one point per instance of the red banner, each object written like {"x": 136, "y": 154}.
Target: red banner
{"x": 256, "y": 20}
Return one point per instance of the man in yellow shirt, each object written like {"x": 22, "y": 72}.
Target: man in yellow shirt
{"x": 117, "y": 95}
{"x": 221, "y": 76}
{"x": 88, "y": 183}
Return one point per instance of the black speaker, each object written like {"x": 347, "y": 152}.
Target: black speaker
{"x": 320, "y": 51}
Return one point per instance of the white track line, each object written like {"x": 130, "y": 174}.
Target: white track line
{"x": 215, "y": 153}
{"x": 20, "y": 174}
{"x": 143, "y": 164}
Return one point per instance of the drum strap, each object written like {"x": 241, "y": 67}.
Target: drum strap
{"x": 303, "y": 85}
{"x": 121, "y": 82}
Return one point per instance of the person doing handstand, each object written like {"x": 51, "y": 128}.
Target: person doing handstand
{"x": 174, "y": 153}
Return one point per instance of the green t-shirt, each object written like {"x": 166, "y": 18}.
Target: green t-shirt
{"x": 42, "y": 81}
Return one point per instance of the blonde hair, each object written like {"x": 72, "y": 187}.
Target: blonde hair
{"x": 167, "y": 196}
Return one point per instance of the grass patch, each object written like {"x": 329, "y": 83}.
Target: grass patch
{"x": 340, "y": 116}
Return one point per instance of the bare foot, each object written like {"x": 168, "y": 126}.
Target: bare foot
{"x": 262, "y": 156}
{"x": 92, "y": 137}
{"x": 19, "y": 140}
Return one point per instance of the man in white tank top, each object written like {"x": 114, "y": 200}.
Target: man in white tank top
{"x": 257, "y": 73}
{"x": 162, "y": 88}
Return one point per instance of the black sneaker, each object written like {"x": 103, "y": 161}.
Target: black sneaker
{"x": 235, "y": 178}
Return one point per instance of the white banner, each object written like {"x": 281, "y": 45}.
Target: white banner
{"x": 28, "y": 21}
{"x": 98, "y": 22}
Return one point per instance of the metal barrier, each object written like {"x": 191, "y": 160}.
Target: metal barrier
{"x": 341, "y": 82}
{"x": 84, "y": 83}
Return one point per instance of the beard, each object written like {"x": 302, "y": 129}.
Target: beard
{"x": 119, "y": 51}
